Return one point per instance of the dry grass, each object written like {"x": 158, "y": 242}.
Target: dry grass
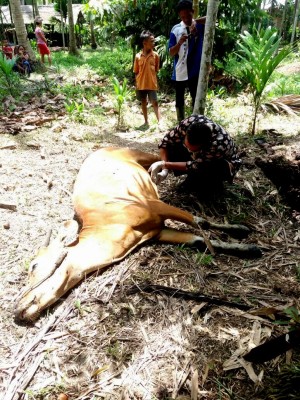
{"x": 104, "y": 342}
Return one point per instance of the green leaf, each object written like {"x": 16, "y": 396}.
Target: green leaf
{"x": 6, "y": 64}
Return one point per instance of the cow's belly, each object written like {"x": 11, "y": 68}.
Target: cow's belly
{"x": 114, "y": 241}
{"x": 113, "y": 197}
{"x": 109, "y": 181}
{"x": 137, "y": 214}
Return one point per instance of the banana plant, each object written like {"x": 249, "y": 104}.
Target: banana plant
{"x": 122, "y": 93}
{"x": 260, "y": 53}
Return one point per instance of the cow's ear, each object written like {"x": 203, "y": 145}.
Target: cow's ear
{"x": 68, "y": 233}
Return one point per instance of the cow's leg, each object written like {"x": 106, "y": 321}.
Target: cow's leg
{"x": 146, "y": 159}
{"x": 165, "y": 211}
{"x": 236, "y": 249}
{"x": 142, "y": 158}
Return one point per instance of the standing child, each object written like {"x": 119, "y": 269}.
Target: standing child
{"x": 146, "y": 66}
{"x": 41, "y": 41}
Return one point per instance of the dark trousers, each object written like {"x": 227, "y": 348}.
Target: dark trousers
{"x": 210, "y": 173}
{"x": 180, "y": 87}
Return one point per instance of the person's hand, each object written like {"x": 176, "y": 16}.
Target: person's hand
{"x": 154, "y": 169}
{"x": 157, "y": 173}
{"x": 182, "y": 39}
{"x": 193, "y": 28}
{"x": 161, "y": 176}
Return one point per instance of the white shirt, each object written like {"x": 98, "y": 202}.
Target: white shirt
{"x": 181, "y": 66}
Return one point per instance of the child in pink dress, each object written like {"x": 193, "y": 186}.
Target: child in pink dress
{"x": 41, "y": 41}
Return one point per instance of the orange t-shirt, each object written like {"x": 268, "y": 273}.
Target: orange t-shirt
{"x": 146, "y": 68}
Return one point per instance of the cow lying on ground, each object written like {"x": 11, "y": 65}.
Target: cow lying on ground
{"x": 116, "y": 209}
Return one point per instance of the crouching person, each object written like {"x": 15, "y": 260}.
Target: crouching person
{"x": 23, "y": 62}
{"x": 201, "y": 149}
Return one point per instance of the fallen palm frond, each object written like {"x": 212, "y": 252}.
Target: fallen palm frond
{"x": 289, "y": 104}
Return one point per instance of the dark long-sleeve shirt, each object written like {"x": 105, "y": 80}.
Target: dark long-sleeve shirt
{"x": 222, "y": 145}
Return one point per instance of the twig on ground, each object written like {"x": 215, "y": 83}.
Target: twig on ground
{"x": 186, "y": 295}
{"x": 11, "y": 207}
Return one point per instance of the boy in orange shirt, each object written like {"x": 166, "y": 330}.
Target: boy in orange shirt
{"x": 146, "y": 66}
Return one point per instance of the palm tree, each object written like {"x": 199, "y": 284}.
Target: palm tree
{"x": 95, "y": 10}
{"x": 260, "y": 56}
{"x": 21, "y": 32}
{"x": 90, "y": 16}
{"x": 72, "y": 40}
{"x": 196, "y": 7}
{"x": 283, "y": 20}
{"x": 93, "y": 37}
{"x": 296, "y": 15}
{"x": 210, "y": 26}
{"x": 35, "y": 10}
{"x": 62, "y": 7}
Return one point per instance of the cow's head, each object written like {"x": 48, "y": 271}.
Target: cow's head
{"x": 49, "y": 258}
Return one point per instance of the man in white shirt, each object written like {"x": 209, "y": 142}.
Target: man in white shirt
{"x": 185, "y": 45}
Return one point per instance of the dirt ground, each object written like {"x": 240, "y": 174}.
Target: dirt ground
{"x": 105, "y": 340}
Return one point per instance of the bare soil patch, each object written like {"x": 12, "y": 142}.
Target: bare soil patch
{"x": 104, "y": 342}
{"x": 282, "y": 166}
{"x": 293, "y": 68}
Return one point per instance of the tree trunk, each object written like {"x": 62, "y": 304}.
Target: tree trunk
{"x": 210, "y": 25}
{"x": 256, "y": 108}
{"x": 259, "y": 7}
{"x": 72, "y": 40}
{"x": 20, "y": 27}
{"x": 196, "y": 8}
{"x": 10, "y": 13}
{"x": 1, "y": 24}
{"x": 296, "y": 15}
{"x": 273, "y": 9}
{"x": 35, "y": 10}
{"x": 62, "y": 26}
{"x": 282, "y": 25}
{"x": 93, "y": 38}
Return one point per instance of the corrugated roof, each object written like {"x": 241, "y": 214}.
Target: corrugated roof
{"x": 45, "y": 12}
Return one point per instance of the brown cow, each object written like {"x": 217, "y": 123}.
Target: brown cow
{"x": 116, "y": 209}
